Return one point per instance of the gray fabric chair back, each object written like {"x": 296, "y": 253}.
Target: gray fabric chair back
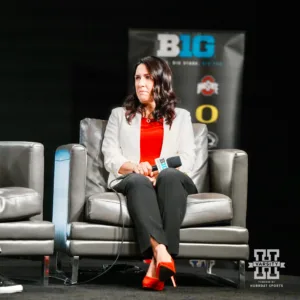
{"x": 22, "y": 165}
{"x": 91, "y": 136}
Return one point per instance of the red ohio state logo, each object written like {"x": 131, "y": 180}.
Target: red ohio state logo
{"x": 208, "y": 86}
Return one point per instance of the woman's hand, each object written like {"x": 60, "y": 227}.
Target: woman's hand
{"x": 143, "y": 168}
{"x": 153, "y": 177}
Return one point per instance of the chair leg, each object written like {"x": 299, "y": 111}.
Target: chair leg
{"x": 75, "y": 269}
{"x": 209, "y": 265}
{"x": 242, "y": 273}
{"x": 45, "y": 270}
{"x": 55, "y": 263}
{"x": 215, "y": 279}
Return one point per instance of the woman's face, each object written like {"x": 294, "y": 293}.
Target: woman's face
{"x": 143, "y": 84}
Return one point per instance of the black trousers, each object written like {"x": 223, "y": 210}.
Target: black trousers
{"x": 157, "y": 211}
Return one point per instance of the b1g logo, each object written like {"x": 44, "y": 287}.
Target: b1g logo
{"x": 199, "y": 46}
{"x": 208, "y": 86}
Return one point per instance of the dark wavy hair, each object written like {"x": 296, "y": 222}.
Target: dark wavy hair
{"x": 163, "y": 93}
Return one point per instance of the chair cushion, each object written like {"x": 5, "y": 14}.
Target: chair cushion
{"x": 26, "y": 230}
{"x": 202, "y": 209}
{"x": 105, "y": 208}
{"x": 19, "y": 203}
{"x": 207, "y": 208}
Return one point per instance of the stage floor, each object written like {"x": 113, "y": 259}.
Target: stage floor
{"x": 124, "y": 281}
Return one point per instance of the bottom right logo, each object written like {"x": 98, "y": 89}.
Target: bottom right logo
{"x": 267, "y": 265}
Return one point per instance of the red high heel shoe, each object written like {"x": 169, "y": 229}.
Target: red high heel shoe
{"x": 148, "y": 261}
{"x": 166, "y": 270}
{"x": 153, "y": 284}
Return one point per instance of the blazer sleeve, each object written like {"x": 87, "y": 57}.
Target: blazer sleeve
{"x": 187, "y": 147}
{"x": 113, "y": 158}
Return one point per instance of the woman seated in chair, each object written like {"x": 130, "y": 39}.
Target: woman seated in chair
{"x": 146, "y": 127}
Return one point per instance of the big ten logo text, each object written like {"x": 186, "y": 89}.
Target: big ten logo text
{"x": 207, "y": 113}
{"x": 186, "y": 46}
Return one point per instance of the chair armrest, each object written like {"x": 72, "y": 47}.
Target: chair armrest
{"x": 22, "y": 165}
{"x": 69, "y": 189}
{"x": 228, "y": 170}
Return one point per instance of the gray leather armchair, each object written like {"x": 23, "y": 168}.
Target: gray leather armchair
{"x": 88, "y": 220}
{"x": 23, "y": 232}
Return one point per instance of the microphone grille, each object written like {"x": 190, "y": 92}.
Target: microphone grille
{"x": 174, "y": 162}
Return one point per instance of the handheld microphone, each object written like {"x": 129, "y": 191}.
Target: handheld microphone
{"x": 162, "y": 163}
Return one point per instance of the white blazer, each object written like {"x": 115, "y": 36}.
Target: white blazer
{"x": 121, "y": 141}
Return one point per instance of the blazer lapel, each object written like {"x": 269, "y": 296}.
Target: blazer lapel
{"x": 135, "y": 136}
{"x": 166, "y": 141}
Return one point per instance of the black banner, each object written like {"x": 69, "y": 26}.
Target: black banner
{"x": 207, "y": 75}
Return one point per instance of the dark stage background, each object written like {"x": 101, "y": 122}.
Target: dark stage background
{"x": 60, "y": 64}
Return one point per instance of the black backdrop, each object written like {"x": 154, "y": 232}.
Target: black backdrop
{"x": 59, "y": 64}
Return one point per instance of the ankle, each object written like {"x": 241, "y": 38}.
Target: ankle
{"x": 151, "y": 272}
{"x": 160, "y": 248}
{"x": 161, "y": 254}
{"x": 152, "y": 263}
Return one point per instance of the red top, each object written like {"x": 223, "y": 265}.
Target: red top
{"x": 151, "y": 140}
